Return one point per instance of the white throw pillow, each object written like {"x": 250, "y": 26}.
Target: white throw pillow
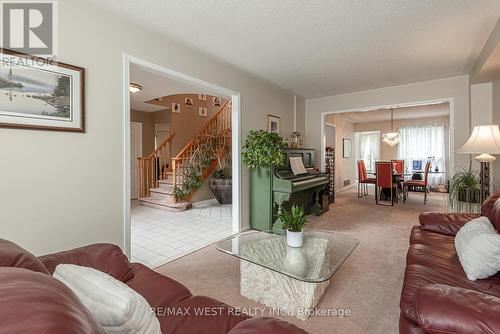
{"x": 118, "y": 308}
{"x": 478, "y": 248}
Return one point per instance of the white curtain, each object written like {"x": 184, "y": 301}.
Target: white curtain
{"x": 421, "y": 143}
{"x": 369, "y": 148}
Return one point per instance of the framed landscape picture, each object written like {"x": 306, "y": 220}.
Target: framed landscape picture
{"x": 36, "y": 93}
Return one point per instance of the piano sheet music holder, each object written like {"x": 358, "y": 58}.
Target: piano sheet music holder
{"x": 297, "y": 166}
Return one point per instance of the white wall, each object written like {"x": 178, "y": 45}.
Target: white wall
{"x": 481, "y": 104}
{"x": 456, "y": 88}
{"x": 61, "y": 190}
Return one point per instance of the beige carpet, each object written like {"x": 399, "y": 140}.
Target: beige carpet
{"x": 368, "y": 283}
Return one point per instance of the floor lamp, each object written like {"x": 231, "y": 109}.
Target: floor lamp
{"x": 484, "y": 140}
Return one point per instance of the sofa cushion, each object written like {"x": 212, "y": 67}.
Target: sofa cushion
{"x": 425, "y": 237}
{"x": 265, "y": 325}
{"x": 104, "y": 257}
{"x": 12, "y": 255}
{"x": 491, "y": 209}
{"x": 447, "y": 309}
{"x": 160, "y": 291}
{"x": 201, "y": 315}
{"x": 478, "y": 248}
{"x": 444, "y": 223}
{"x": 116, "y": 306}
{"x": 33, "y": 302}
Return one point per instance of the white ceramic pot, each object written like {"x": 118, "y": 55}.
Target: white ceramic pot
{"x": 295, "y": 239}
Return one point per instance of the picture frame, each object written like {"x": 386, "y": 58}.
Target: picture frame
{"x": 202, "y": 97}
{"x": 346, "y": 148}
{"x": 203, "y": 111}
{"x": 217, "y": 101}
{"x": 188, "y": 102}
{"x": 273, "y": 123}
{"x": 176, "y": 108}
{"x": 41, "y": 94}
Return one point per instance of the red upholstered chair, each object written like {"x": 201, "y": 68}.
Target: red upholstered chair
{"x": 418, "y": 183}
{"x": 384, "y": 180}
{"x": 363, "y": 179}
{"x": 399, "y": 166}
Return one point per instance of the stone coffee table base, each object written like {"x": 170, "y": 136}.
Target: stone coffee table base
{"x": 280, "y": 292}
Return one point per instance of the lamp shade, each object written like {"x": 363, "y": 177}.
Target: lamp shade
{"x": 484, "y": 139}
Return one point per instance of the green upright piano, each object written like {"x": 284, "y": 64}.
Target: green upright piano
{"x": 273, "y": 190}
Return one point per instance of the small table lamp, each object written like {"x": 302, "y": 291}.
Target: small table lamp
{"x": 484, "y": 140}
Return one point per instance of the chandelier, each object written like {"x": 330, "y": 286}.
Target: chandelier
{"x": 391, "y": 138}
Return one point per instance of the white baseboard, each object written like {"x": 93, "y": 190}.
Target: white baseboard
{"x": 348, "y": 187}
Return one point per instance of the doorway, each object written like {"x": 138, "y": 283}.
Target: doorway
{"x": 160, "y": 131}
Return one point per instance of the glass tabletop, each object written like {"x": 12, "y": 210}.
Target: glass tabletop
{"x": 316, "y": 261}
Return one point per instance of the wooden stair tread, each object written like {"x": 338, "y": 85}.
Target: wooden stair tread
{"x": 162, "y": 204}
{"x": 163, "y": 191}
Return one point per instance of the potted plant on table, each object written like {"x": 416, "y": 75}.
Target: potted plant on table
{"x": 221, "y": 185}
{"x": 294, "y": 222}
{"x": 464, "y": 188}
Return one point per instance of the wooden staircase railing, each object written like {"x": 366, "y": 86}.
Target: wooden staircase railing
{"x": 218, "y": 127}
{"x": 155, "y": 166}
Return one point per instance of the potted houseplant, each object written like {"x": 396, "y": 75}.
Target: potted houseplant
{"x": 464, "y": 188}
{"x": 262, "y": 152}
{"x": 221, "y": 185}
{"x": 221, "y": 182}
{"x": 294, "y": 222}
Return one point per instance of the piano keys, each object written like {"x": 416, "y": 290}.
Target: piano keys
{"x": 279, "y": 189}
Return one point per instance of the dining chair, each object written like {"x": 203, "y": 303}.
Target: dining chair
{"x": 363, "y": 179}
{"x": 399, "y": 166}
{"x": 418, "y": 183}
{"x": 384, "y": 180}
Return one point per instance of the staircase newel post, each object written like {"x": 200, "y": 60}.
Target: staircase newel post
{"x": 174, "y": 178}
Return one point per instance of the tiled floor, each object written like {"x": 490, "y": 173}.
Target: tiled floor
{"x": 160, "y": 236}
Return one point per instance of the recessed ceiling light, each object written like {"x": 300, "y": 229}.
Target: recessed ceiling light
{"x": 134, "y": 88}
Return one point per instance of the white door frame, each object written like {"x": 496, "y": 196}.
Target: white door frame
{"x": 139, "y": 124}
{"x": 451, "y": 102}
{"x": 235, "y": 127}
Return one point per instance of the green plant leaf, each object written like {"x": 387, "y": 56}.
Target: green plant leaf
{"x": 263, "y": 149}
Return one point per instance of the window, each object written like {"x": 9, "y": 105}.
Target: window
{"x": 422, "y": 142}
{"x": 368, "y": 148}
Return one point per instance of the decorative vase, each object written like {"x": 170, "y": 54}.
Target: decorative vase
{"x": 294, "y": 239}
{"x": 295, "y": 261}
{"x": 222, "y": 190}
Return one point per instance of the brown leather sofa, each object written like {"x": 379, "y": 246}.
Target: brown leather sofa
{"x": 31, "y": 301}
{"x": 437, "y": 297}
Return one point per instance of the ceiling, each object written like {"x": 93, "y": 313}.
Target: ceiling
{"x": 414, "y": 112}
{"x": 323, "y": 47}
{"x": 155, "y": 85}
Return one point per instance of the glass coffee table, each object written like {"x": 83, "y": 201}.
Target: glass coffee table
{"x": 289, "y": 279}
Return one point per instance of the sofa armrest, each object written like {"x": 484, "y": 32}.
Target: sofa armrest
{"x": 107, "y": 258}
{"x": 446, "y": 309}
{"x": 265, "y": 326}
{"x": 444, "y": 223}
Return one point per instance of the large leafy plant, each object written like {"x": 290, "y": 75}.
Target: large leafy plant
{"x": 466, "y": 180}
{"x": 293, "y": 220}
{"x": 263, "y": 149}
